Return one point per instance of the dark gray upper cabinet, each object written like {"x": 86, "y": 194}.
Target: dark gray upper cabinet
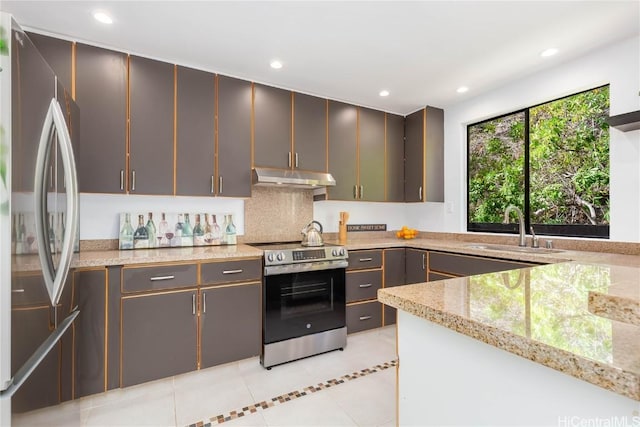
{"x": 424, "y": 154}
{"x": 57, "y": 53}
{"x": 394, "y": 167}
{"x": 309, "y": 132}
{"x": 195, "y": 145}
{"x": 234, "y": 137}
{"x": 272, "y": 121}
{"x": 151, "y": 89}
{"x": 371, "y": 155}
{"x": 101, "y": 95}
{"x": 343, "y": 150}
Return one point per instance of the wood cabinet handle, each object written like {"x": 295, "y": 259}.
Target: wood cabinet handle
{"x": 204, "y": 302}
{"x": 121, "y": 179}
{"x": 424, "y": 261}
{"x": 296, "y": 162}
{"x": 289, "y": 159}
{"x": 220, "y": 184}
{"x": 365, "y": 317}
{"x": 159, "y": 278}
{"x": 420, "y": 193}
{"x": 355, "y": 191}
{"x": 365, "y": 285}
{"x": 366, "y": 259}
{"x": 133, "y": 180}
{"x": 193, "y": 304}
{"x": 212, "y": 184}
{"x": 361, "y": 192}
{"x": 17, "y": 291}
{"x": 232, "y": 271}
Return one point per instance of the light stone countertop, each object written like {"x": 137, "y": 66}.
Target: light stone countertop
{"x": 87, "y": 259}
{"x": 540, "y": 313}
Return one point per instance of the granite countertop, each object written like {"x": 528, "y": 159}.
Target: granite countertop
{"x": 543, "y": 314}
{"x": 107, "y": 258}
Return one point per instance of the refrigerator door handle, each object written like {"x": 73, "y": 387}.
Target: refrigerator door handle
{"x": 54, "y": 123}
{"x": 41, "y": 352}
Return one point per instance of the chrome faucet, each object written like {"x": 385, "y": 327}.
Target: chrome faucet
{"x": 523, "y": 235}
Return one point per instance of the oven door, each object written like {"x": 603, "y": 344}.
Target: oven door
{"x": 304, "y": 303}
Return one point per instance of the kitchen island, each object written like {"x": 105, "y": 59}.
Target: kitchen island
{"x": 517, "y": 348}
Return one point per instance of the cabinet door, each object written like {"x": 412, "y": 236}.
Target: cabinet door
{"x": 414, "y": 157}
{"x": 394, "y": 165}
{"x": 89, "y": 294}
{"x": 371, "y": 155}
{"x": 310, "y": 132}
{"x": 434, "y": 155}
{"x": 159, "y": 336}
{"x": 394, "y": 275}
{"x": 272, "y": 143}
{"x": 416, "y": 266}
{"x": 195, "y": 145}
{"x": 394, "y": 267}
{"x": 151, "y": 88}
{"x": 234, "y": 137}
{"x": 57, "y": 53}
{"x": 343, "y": 150}
{"x": 101, "y": 94}
{"x": 230, "y": 323}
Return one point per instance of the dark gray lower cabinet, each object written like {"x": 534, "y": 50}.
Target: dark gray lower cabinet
{"x": 230, "y": 323}
{"x": 89, "y": 332}
{"x": 394, "y": 275}
{"x": 159, "y": 336}
{"x": 416, "y": 266}
{"x": 361, "y": 317}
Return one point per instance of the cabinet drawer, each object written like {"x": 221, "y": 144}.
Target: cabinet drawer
{"x": 363, "y": 285}
{"x": 141, "y": 279}
{"x": 364, "y": 316}
{"x": 463, "y": 265}
{"x": 231, "y": 271}
{"x": 28, "y": 290}
{"x": 365, "y": 259}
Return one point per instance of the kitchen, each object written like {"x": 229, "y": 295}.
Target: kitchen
{"x": 259, "y": 218}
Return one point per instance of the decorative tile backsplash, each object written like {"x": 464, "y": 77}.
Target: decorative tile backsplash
{"x": 163, "y": 229}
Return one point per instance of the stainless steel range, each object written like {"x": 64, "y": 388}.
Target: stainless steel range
{"x": 303, "y": 301}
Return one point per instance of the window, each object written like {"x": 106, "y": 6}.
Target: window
{"x": 550, "y": 160}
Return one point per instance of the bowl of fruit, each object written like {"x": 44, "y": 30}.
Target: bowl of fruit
{"x": 406, "y": 233}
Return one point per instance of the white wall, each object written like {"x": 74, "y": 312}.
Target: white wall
{"x": 618, "y": 65}
{"x": 392, "y": 214}
{"x": 100, "y": 213}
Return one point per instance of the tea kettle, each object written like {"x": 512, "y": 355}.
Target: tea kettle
{"x": 311, "y": 235}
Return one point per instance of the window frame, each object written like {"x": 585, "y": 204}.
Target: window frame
{"x": 600, "y": 231}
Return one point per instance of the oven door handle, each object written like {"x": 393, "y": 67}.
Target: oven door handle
{"x": 304, "y": 267}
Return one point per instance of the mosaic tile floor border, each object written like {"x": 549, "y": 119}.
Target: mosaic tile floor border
{"x": 292, "y": 395}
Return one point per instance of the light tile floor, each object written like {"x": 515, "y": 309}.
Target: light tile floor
{"x": 368, "y": 399}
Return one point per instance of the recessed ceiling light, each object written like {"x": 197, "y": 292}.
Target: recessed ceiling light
{"x": 549, "y": 52}
{"x": 384, "y": 93}
{"x": 103, "y": 17}
{"x": 462, "y": 89}
{"x": 276, "y": 65}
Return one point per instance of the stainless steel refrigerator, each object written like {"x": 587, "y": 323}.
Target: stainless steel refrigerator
{"x": 38, "y": 224}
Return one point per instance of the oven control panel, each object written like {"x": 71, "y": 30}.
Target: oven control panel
{"x": 301, "y": 255}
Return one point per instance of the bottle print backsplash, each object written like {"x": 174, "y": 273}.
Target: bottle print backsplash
{"x": 144, "y": 230}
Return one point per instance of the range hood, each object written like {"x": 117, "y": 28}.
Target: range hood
{"x": 291, "y": 178}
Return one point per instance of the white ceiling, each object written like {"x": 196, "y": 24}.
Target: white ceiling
{"x": 420, "y": 51}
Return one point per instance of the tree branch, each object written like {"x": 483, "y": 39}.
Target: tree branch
{"x": 592, "y": 211}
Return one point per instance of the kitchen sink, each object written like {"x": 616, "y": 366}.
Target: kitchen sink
{"x": 512, "y": 248}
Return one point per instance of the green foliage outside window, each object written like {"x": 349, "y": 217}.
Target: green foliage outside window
{"x": 551, "y": 160}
